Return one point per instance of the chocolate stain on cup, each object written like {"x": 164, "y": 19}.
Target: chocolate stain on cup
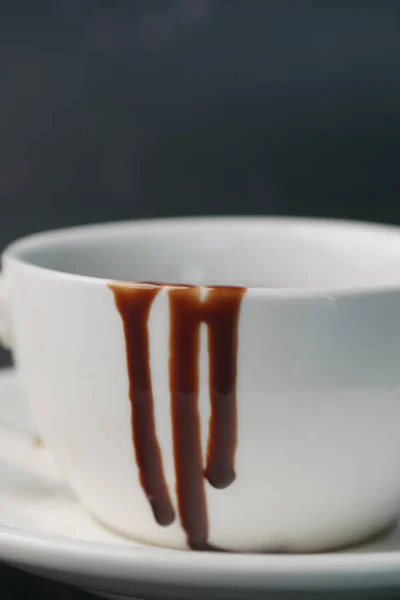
{"x": 220, "y": 311}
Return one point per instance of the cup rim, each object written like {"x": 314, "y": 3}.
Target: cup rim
{"x": 14, "y": 252}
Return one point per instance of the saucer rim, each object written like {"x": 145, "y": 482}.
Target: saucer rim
{"x": 136, "y": 563}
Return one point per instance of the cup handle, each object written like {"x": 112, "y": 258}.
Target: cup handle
{"x": 5, "y": 315}
{"x": 6, "y": 339}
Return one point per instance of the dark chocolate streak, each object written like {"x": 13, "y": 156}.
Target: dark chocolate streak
{"x": 222, "y": 313}
{"x": 133, "y": 304}
{"x": 219, "y": 310}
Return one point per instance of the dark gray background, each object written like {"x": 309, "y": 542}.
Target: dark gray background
{"x": 137, "y": 108}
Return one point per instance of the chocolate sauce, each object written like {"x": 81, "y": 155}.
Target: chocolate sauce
{"x": 219, "y": 310}
{"x": 133, "y": 304}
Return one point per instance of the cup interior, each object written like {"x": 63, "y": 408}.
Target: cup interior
{"x": 258, "y": 252}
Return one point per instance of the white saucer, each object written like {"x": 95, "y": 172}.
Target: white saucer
{"x": 44, "y": 530}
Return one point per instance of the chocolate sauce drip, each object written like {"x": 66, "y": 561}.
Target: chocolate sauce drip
{"x": 133, "y": 304}
{"x": 219, "y": 310}
{"x": 222, "y": 315}
{"x": 184, "y": 389}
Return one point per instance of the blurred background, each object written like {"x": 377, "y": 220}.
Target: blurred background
{"x": 126, "y": 109}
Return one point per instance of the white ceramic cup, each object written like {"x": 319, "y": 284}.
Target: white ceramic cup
{"x": 316, "y": 368}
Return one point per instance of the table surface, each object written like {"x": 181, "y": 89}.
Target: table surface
{"x": 17, "y": 585}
